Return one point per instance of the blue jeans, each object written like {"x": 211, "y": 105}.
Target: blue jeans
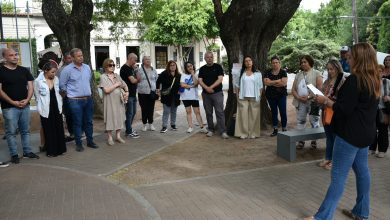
{"x": 82, "y": 114}
{"x": 281, "y": 103}
{"x": 330, "y": 136}
{"x": 131, "y": 110}
{"x": 346, "y": 156}
{"x": 15, "y": 118}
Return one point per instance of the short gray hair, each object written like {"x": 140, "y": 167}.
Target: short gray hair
{"x": 74, "y": 50}
{"x": 132, "y": 55}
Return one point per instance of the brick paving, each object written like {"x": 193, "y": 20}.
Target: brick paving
{"x": 281, "y": 192}
{"x": 74, "y": 187}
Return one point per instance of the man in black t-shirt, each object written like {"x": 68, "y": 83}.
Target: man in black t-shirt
{"x": 16, "y": 90}
{"x": 128, "y": 75}
{"x": 210, "y": 78}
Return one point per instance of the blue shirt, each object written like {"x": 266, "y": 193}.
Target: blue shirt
{"x": 76, "y": 82}
{"x": 345, "y": 66}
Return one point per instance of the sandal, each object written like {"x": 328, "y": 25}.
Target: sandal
{"x": 300, "y": 145}
{"x": 328, "y": 166}
{"x": 323, "y": 163}
{"x": 349, "y": 214}
{"x": 314, "y": 144}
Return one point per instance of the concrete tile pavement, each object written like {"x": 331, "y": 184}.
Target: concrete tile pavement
{"x": 288, "y": 191}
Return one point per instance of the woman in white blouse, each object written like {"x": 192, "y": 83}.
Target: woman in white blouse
{"x": 248, "y": 87}
{"x": 49, "y": 105}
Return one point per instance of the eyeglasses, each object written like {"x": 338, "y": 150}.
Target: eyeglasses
{"x": 111, "y": 65}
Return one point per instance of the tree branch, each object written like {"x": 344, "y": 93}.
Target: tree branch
{"x": 218, "y": 11}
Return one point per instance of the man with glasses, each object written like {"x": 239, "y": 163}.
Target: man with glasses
{"x": 75, "y": 85}
{"x": 16, "y": 90}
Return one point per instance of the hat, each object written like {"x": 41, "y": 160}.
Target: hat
{"x": 344, "y": 48}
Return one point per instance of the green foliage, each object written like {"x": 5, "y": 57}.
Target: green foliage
{"x": 384, "y": 34}
{"x": 300, "y": 26}
{"x": 8, "y": 7}
{"x": 291, "y": 51}
{"x": 178, "y": 22}
{"x": 97, "y": 76}
{"x": 119, "y": 13}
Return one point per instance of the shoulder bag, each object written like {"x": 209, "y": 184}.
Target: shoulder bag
{"x": 168, "y": 90}
{"x": 152, "y": 94}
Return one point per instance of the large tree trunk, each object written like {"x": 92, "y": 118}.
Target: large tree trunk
{"x": 73, "y": 30}
{"x": 248, "y": 28}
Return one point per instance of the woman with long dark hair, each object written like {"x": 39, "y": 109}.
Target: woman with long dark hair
{"x": 189, "y": 96}
{"x": 330, "y": 89}
{"x": 248, "y": 89}
{"x": 49, "y": 105}
{"x": 168, "y": 84}
{"x": 353, "y": 123}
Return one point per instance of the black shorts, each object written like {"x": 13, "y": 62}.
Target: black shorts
{"x": 193, "y": 103}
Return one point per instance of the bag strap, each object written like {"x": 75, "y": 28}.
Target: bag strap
{"x": 146, "y": 75}
{"x": 174, "y": 78}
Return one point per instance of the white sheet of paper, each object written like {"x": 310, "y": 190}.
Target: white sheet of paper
{"x": 314, "y": 90}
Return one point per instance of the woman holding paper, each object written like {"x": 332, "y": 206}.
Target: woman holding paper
{"x": 354, "y": 125}
{"x": 248, "y": 87}
{"x": 302, "y": 101}
{"x": 330, "y": 89}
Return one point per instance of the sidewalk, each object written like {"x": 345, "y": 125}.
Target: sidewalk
{"x": 74, "y": 186}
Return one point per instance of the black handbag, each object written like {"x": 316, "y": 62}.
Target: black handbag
{"x": 153, "y": 95}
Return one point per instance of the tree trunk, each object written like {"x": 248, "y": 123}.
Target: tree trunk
{"x": 73, "y": 30}
{"x": 248, "y": 28}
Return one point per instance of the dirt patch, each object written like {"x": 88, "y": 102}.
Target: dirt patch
{"x": 199, "y": 155}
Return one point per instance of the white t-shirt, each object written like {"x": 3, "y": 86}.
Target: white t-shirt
{"x": 249, "y": 85}
{"x": 191, "y": 93}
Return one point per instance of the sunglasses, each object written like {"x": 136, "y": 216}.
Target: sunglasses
{"x": 111, "y": 65}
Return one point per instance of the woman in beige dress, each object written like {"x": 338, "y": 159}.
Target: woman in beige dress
{"x": 114, "y": 93}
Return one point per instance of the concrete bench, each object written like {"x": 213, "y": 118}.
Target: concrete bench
{"x": 286, "y": 141}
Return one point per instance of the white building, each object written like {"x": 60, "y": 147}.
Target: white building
{"x": 101, "y": 46}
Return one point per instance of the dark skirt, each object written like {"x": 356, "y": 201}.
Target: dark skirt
{"x": 53, "y": 129}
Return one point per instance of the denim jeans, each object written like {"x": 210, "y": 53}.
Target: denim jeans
{"x": 281, "y": 103}
{"x": 330, "y": 136}
{"x": 15, "y": 118}
{"x": 169, "y": 111}
{"x": 131, "y": 110}
{"x": 68, "y": 115}
{"x": 82, "y": 114}
{"x": 346, "y": 156}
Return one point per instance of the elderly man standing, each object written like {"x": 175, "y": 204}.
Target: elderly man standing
{"x": 75, "y": 84}
{"x": 128, "y": 75}
{"x": 16, "y": 90}
{"x": 210, "y": 78}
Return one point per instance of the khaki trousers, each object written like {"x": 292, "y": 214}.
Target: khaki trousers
{"x": 248, "y": 118}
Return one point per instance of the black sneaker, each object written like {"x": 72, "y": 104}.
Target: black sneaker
{"x": 274, "y": 133}
{"x": 79, "y": 148}
{"x": 284, "y": 129}
{"x": 163, "y": 130}
{"x": 31, "y": 155}
{"x": 173, "y": 127}
{"x": 69, "y": 138}
{"x": 92, "y": 145}
{"x": 15, "y": 159}
{"x": 133, "y": 135}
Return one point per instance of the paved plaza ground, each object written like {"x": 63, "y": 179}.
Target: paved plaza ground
{"x": 178, "y": 176}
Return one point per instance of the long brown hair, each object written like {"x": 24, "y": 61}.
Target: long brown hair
{"x": 365, "y": 68}
{"x": 169, "y": 71}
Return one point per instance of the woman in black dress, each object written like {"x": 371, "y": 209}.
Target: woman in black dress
{"x": 49, "y": 105}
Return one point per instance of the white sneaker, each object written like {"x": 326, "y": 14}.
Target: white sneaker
{"x": 145, "y": 128}
{"x": 371, "y": 152}
{"x": 189, "y": 130}
{"x": 210, "y": 134}
{"x": 243, "y": 137}
{"x": 253, "y": 137}
{"x": 151, "y": 127}
{"x": 224, "y": 135}
{"x": 203, "y": 130}
{"x": 380, "y": 155}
